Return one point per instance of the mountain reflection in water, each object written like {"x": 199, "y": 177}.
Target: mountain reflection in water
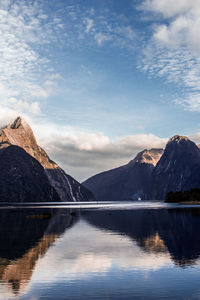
{"x": 171, "y": 231}
{"x": 94, "y": 254}
{"x": 25, "y": 236}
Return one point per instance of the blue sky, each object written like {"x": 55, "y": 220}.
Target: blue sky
{"x": 101, "y": 80}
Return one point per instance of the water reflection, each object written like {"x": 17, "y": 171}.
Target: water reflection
{"x": 51, "y": 253}
{"x": 174, "y": 231}
{"x": 25, "y": 236}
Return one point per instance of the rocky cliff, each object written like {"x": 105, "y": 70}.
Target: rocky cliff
{"x": 19, "y": 133}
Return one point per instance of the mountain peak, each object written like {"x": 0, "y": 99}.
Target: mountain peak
{"x": 16, "y": 123}
{"x": 178, "y": 138}
{"x": 151, "y": 156}
{"x": 19, "y": 123}
{"x": 19, "y": 133}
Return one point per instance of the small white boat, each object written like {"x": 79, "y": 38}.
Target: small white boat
{"x": 139, "y": 199}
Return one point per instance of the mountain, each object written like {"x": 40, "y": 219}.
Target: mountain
{"x": 152, "y": 174}
{"x": 178, "y": 168}
{"x": 22, "y": 178}
{"x": 19, "y": 133}
{"x": 126, "y": 182}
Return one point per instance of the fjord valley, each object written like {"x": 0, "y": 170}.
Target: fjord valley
{"x": 28, "y": 174}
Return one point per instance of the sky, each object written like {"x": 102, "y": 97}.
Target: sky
{"x": 100, "y": 80}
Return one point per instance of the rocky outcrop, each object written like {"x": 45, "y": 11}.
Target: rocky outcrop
{"x": 178, "y": 168}
{"x": 20, "y": 133}
{"x": 127, "y": 182}
{"x": 22, "y": 178}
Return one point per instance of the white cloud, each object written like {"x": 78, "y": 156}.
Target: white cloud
{"x": 54, "y": 76}
{"x": 191, "y": 102}
{"x": 101, "y": 38}
{"x": 173, "y": 51}
{"x": 83, "y": 154}
{"x": 127, "y": 32}
{"x": 89, "y": 24}
{"x": 20, "y": 105}
{"x": 182, "y": 31}
{"x": 171, "y": 8}
{"x": 195, "y": 137}
{"x": 101, "y": 27}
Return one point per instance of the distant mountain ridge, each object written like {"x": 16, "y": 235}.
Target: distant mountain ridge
{"x": 20, "y": 134}
{"x": 151, "y": 174}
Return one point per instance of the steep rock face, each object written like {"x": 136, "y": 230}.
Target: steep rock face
{"x": 20, "y": 133}
{"x": 126, "y": 182}
{"x": 178, "y": 168}
{"x": 22, "y": 178}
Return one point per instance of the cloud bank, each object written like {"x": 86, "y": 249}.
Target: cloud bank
{"x": 83, "y": 154}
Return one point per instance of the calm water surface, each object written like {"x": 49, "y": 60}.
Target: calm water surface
{"x": 110, "y": 251}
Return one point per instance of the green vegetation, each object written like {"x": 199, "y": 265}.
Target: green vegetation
{"x": 187, "y": 196}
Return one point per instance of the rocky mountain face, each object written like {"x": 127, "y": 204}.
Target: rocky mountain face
{"x": 178, "y": 168}
{"x": 19, "y": 133}
{"x": 127, "y": 182}
{"x": 152, "y": 174}
{"x": 22, "y": 178}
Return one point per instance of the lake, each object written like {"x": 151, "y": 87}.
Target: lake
{"x": 141, "y": 250}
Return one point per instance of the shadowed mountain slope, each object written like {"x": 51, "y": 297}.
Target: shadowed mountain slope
{"x": 22, "y": 178}
{"x": 126, "y": 182}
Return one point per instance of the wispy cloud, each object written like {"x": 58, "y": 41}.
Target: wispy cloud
{"x": 102, "y": 38}
{"x": 89, "y": 24}
{"x": 23, "y": 33}
{"x": 30, "y": 30}
{"x": 100, "y": 27}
